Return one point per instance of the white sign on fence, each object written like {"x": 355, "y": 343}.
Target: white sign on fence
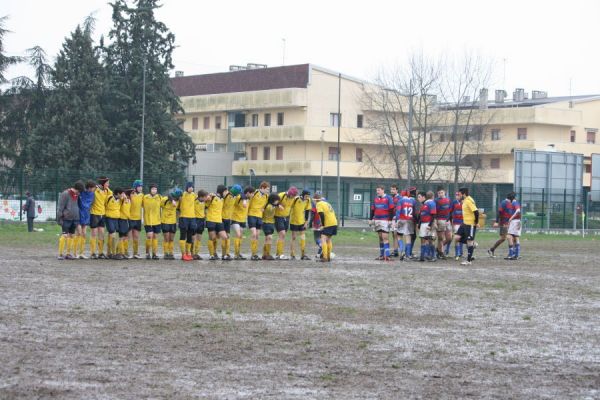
{"x": 357, "y": 197}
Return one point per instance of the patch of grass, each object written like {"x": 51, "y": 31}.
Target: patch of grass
{"x": 363, "y": 345}
{"x": 395, "y": 366}
{"x": 327, "y": 377}
{"x": 197, "y": 325}
{"x": 470, "y": 341}
{"x": 526, "y": 317}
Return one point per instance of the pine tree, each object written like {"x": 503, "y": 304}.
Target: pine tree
{"x": 141, "y": 42}
{"x": 74, "y": 131}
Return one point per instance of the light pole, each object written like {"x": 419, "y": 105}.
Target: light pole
{"x": 322, "y": 137}
{"x": 143, "y": 122}
{"x": 410, "y": 128}
{"x": 339, "y": 210}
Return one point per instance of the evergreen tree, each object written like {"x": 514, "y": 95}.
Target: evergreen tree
{"x": 138, "y": 42}
{"x": 73, "y": 134}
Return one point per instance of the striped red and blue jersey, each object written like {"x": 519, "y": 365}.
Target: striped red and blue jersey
{"x": 457, "y": 215}
{"x": 504, "y": 211}
{"x": 382, "y": 208}
{"x": 514, "y": 207}
{"x": 443, "y": 208}
{"x": 428, "y": 211}
{"x": 405, "y": 209}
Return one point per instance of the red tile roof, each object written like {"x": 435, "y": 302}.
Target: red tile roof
{"x": 291, "y": 76}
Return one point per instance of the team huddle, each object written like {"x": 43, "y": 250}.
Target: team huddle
{"x": 408, "y": 214}
{"x": 121, "y": 214}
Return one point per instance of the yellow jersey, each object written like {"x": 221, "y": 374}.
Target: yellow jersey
{"x": 200, "y": 209}
{"x": 228, "y": 202}
{"x": 330, "y": 218}
{"x": 468, "y": 209}
{"x": 214, "y": 209}
{"x": 169, "y": 210}
{"x": 257, "y": 204}
{"x": 113, "y": 207}
{"x": 187, "y": 205}
{"x": 299, "y": 206}
{"x": 240, "y": 209}
{"x": 151, "y": 205}
{"x": 136, "y": 206}
{"x": 125, "y": 209}
{"x": 268, "y": 215}
{"x": 285, "y": 205}
{"x": 99, "y": 204}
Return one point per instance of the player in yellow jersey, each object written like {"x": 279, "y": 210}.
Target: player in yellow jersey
{"x": 67, "y": 216}
{"x": 466, "y": 232}
{"x": 187, "y": 221}
{"x": 135, "y": 223}
{"x": 97, "y": 211}
{"x": 168, "y": 205}
{"x": 123, "y": 226}
{"x": 282, "y": 219}
{"x": 152, "y": 221}
{"x": 299, "y": 214}
{"x": 214, "y": 220}
{"x": 113, "y": 213}
{"x": 256, "y": 205}
{"x": 268, "y": 224}
{"x": 226, "y": 213}
{"x": 200, "y": 212}
{"x": 329, "y": 226}
{"x": 238, "y": 219}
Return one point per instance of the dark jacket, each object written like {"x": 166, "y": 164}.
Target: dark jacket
{"x": 29, "y": 207}
{"x": 68, "y": 208}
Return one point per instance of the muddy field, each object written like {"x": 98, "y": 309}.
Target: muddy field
{"x": 298, "y": 329}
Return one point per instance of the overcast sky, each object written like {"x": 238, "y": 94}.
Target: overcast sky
{"x": 540, "y": 45}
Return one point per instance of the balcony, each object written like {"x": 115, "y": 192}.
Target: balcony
{"x": 300, "y": 168}
{"x": 535, "y": 115}
{"x": 277, "y": 98}
{"x": 298, "y": 133}
{"x": 209, "y": 136}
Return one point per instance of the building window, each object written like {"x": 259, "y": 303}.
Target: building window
{"x": 359, "y": 121}
{"x": 495, "y": 134}
{"x": 254, "y": 119}
{"x": 442, "y": 137}
{"x": 254, "y": 153}
{"x": 521, "y": 133}
{"x": 333, "y": 154}
{"x": 195, "y": 123}
{"x": 280, "y": 118}
{"x": 267, "y": 119}
{"x": 591, "y": 137}
{"x": 495, "y": 163}
{"x": 279, "y": 153}
{"x": 588, "y": 168}
{"x": 335, "y": 119}
{"x": 359, "y": 154}
{"x": 266, "y": 153}
{"x": 206, "y": 122}
{"x": 218, "y": 122}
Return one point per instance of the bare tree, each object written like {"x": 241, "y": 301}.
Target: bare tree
{"x": 434, "y": 97}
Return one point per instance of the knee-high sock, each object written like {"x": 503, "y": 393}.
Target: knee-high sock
{"x": 470, "y": 252}
{"x": 303, "y": 246}
{"x": 196, "y": 246}
{"x": 61, "y": 245}
{"x": 155, "y": 246}
{"x": 182, "y": 246}
{"x": 266, "y": 249}
{"x": 254, "y": 246}
{"x": 100, "y": 246}
{"x": 69, "y": 245}
{"x": 223, "y": 247}
{"x": 280, "y": 244}
{"x": 109, "y": 244}
{"x": 165, "y": 247}
{"x": 188, "y": 248}
{"x": 228, "y": 246}
{"x": 93, "y": 244}
{"x": 136, "y": 247}
{"x": 237, "y": 244}
{"x": 292, "y": 252}
{"x": 148, "y": 246}
{"x": 126, "y": 246}
{"x": 211, "y": 247}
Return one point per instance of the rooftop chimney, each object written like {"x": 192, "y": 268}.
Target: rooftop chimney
{"x": 519, "y": 94}
{"x": 483, "y": 98}
{"x": 538, "y": 94}
{"x": 500, "y": 95}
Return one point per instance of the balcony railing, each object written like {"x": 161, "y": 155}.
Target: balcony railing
{"x": 277, "y": 98}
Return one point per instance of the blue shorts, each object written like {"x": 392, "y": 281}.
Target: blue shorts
{"x": 254, "y": 222}
{"x": 96, "y": 221}
{"x": 329, "y": 231}
{"x": 112, "y": 224}
{"x": 152, "y": 228}
{"x": 282, "y": 224}
{"x": 268, "y": 229}
{"x": 69, "y": 226}
{"x": 227, "y": 225}
{"x": 200, "y": 224}
{"x": 297, "y": 228}
{"x": 123, "y": 227}
{"x": 169, "y": 228}
{"x": 187, "y": 224}
{"x": 84, "y": 217}
{"x": 135, "y": 225}
{"x": 215, "y": 226}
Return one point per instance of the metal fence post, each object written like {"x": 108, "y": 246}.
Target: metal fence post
{"x": 21, "y": 196}
{"x": 543, "y": 216}
{"x": 564, "y": 224}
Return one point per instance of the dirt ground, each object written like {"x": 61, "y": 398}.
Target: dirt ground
{"x": 298, "y": 329}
